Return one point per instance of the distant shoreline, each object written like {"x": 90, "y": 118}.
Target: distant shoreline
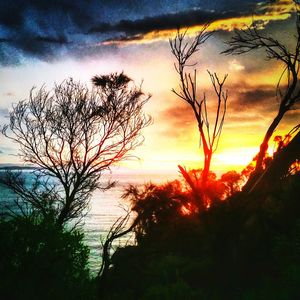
{"x": 16, "y": 167}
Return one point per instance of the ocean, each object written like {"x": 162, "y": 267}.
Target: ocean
{"x": 106, "y": 208}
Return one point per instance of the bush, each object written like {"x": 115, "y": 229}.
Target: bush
{"x": 246, "y": 247}
{"x": 40, "y": 260}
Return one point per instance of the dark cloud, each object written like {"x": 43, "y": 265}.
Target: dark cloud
{"x": 163, "y": 22}
{"x": 259, "y": 96}
{"x": 133, "y": 30}
{"x": 262, "y": 97}
{"x": 40, "y": 29}
{"x": 43, "y": 47}
{"x": 131, "y": 38}
{"x": 52, "y": 40}
{"x": 15, "y": 14}
{"x": 5, "y": 40}
{"x": 248, "y": 105}
{"x": 48, "y": 30}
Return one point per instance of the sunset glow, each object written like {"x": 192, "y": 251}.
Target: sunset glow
{"x": 145, "y": 56}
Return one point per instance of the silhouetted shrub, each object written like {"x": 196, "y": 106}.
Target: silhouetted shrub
{"x": 39, "y": 260}
{"x": 246, "y": 247}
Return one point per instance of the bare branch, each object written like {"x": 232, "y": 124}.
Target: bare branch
{"x": 73, "y": 134}
{"x": 250, "y": 39}
{"x": 183, "y": 52}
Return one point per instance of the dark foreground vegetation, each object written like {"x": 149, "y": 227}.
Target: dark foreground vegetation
{"x": 39, "y": 260}
{"x": 244, "y": 247}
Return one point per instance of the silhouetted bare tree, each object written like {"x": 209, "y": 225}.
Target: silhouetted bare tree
{"x": 250, "y": 39}
{"x": 209, "y": 136}
{"x": 73, "y": 133}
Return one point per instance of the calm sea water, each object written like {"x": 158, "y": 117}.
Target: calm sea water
{"x": 106, "y": 208}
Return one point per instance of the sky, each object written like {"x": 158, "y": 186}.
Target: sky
{"x": 45, "y": 42}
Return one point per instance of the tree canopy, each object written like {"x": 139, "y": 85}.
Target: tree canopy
{"x": 72, "y": 134}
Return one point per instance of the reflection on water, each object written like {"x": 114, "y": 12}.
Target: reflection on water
{"x": 105, "y": 208}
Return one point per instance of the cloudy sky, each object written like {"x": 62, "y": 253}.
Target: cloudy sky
{"x": 43, "y": 42}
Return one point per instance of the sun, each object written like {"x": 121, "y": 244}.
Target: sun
{"x": 234, "y": 159}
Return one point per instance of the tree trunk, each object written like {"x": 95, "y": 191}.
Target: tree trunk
{"x": 63, "y": 216}
{"x": 206, "y": 169}
{"x": 279, "y": 166}
{"x": 197, "y": 191}
{"x": 106, "y": 257}
{"x": 265, "y": 144}
{"x": 262, "y": 152}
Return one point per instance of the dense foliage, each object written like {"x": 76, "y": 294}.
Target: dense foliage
{"x": 39, "y": 260}
{"x": 246, "y": 247}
